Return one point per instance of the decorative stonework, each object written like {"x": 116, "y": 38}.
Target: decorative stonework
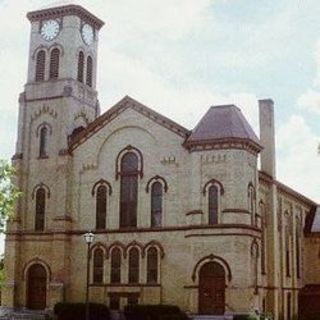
{"x": 44, "y": 109}
{"x": 214, "y": 159}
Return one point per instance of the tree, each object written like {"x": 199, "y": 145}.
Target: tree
{"x": 8, "y": 193}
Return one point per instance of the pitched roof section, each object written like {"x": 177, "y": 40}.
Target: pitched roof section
{"x": 223, "y": 123}
{"x": 124, "y": 104}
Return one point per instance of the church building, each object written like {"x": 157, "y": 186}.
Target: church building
{"x": 182, "y": 216}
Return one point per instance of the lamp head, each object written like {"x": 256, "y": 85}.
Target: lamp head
{"x": 89, "y": 237}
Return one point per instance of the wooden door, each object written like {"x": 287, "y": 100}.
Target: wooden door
{"x": 211, "y": 289}
{"x": 37, "y": 287}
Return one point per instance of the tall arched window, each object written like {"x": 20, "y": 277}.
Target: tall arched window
{"x": 152, "y": 265}
{"x": 263, "y": 237}
{"x": 129, "y": 190}
{"x": 40, "y": 209}
{"x": 43, "y": 143}
{"x": 213, "y": 204}
{"x": 54, "y": 64}
{"x": 98, "y": 266}
{"x": 80, "y": 66}
{"x": 298, "y": 248}
{"x": 156, "y": 204}
{"x": 40, "y": 65}
{"x": 133, "y": 275}
{"x": 89, "y": 71}
{"x": 251, "y": 202}
{"x": 101, "y": 207}
{"x": 115, "y": 266}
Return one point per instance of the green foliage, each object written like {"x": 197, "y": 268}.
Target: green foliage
{"x": 244, "y": 317}
{"x": 154, "y": 312}
{"x": 8, "y": 192}
{"x": 77, "y": 311}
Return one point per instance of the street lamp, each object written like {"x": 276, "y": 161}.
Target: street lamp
{"x": 89, "y": 237}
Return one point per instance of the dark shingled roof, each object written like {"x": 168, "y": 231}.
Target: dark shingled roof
{"x": 221, "y": 123}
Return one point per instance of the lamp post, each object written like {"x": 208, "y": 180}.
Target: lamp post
{"x": 89, "y": 237}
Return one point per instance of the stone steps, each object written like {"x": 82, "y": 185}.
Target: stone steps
{"x": 211, "y": 317}
{"x": 13, "y": 314}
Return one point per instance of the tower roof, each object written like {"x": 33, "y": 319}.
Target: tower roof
{"x": 67, "y": 9}
{"x": 222, "y": 123}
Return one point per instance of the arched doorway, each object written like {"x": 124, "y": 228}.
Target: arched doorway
{"x": 212, "y": 289}
{"x": 36, "y": 287}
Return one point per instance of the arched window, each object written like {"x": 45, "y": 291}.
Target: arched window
{"x": 43, "y": 145}
{"x": 298, "y": 252}
{"x": 98, "y": 266}
{"x": 213, "y": 204}
{"x": 101, "y": 207}
{"x": 263, "y": 216}
{"x": 251, "y": 202}
{"x": 156, "y": 204}
{"x": 54, "y": 64}
{"x": 152, "y": 265}
{"x": 115, "y": 266}
{"x": 129, "y": 190}
{"x": 80, "y": 66}
{"x": 287, "y": 248}
{"x": 40, "y": 209}
{"x": 133, "y": 276}
{"x": 89, "y": 71}
{"x": 40, "y": 65}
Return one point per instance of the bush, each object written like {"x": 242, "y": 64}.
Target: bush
{"x": 154, "y": 312}
{"x": 244, "y": 317}
{"x": 77, "y": 311}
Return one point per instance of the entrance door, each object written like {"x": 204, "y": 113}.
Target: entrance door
{"x": 37, "y": 287}
{"x": 211, "y": 289}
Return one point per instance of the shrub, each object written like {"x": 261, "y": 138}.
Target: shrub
{"x": 154, "y": 312}
{"x": 77, "y": 311}
{"x": 244, "y": 317}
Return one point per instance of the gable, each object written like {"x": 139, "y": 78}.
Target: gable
{"x": 123, "y": 105}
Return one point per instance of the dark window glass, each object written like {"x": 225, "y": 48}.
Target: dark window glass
{"x": 101, "y": 207}
{"x": 298, "y": 253}
{"x": 129, "y": 190}
{"x": 40, "y": 209}
{"x": 213, "y": 204}
{"x": 133, "y": 299}
{"x": 156, "y": 204}
{"x": 54, "y": 64}
{"x": 80, "y": 66}
{"x": 114, "y": 301}
{"x": 115, "y": 266}
{"x": 43, "y": 142}
{"x": 287, "y": 253}
{"x": 288, "y": 305}
{"x": 133, "y": 276}
{"x": 40, "y": 65}
{"x": 263, "y": 239}
{"x": 152, "y": 266}
{"x": 98, "y": 266}
{"x": 89, "y": 71}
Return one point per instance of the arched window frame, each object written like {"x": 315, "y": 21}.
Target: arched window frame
{"x": 89, "y": 72}
{"x": 134, "y": 265}
{"x": 252, "y": 202}
{"x": 263, "y": 217}
{"x": 115, "y": 272}
{"x": 40, "y": 209}
{"x": 54, "y": 63}
{"x": 298, "y": 247}
{"x": 255, "y": 262}
{"x": 156, "y": 204}
{"x": 98, "y": 255}
{"x": 213, "y": 183}
{"x": 129, "y": 179}
{"x": 44, "y": 130}
{"x": 40, "y": 68}
{"x": 153, "y": 274}
{"x": 80, "y": 73}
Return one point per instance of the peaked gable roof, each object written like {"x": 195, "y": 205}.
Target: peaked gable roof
{"x": 126, "y": 103}
{"x": 223, "y": 123}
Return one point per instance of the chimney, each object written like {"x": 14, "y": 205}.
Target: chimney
{"x": 267, "y": 137}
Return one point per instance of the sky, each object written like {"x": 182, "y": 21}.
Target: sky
{"x": 179, "y": 57}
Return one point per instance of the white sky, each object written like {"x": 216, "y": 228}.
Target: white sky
{"x": 181, "y": 56}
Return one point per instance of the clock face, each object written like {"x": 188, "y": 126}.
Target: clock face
{"x": 87, "y": 34}
{"x": 50, "y": 29}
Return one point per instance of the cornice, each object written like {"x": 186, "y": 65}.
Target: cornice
{"x": 57, "y": 12}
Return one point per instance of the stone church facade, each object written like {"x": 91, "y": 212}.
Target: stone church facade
{"x": 180, "y": 216}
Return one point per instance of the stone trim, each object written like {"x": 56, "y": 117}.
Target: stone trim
{"x": 58, "y": 12}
